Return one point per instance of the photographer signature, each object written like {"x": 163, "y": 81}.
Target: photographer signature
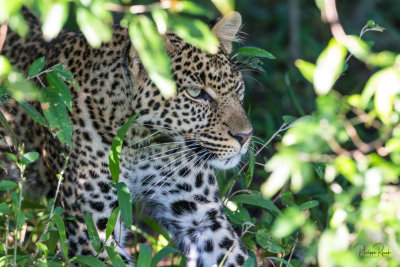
{"x": 374, "y": 251}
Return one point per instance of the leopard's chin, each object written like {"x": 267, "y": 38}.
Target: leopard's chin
{"x": 227, "y": 163}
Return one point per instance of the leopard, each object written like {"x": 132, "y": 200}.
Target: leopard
{"x": 168, "y": 155}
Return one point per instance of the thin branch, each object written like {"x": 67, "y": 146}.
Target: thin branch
{"x": 137, "y": 9}
{"x": 332, "y": 18}
{"x": 3, "y": 33}
{"x": 294, "y": 246}
{"x": 54, "y": 203}
{"x": 364, "y": 118}
{"x": 352, "y": 132}
{"x": 22, "y": 168}
{"x": 284, "y": 188}
{"x": 235, "y": 193}
{"x": 284, "y": 127}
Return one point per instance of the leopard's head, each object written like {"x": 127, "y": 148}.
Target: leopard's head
{"x": 208, "y": 109}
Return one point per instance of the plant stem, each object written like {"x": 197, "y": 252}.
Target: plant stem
{"x": 294, "y": 246}
{"x": 60, "y": 178}
{"x": 22, "y": 169}
{"x": 6, "y": 245}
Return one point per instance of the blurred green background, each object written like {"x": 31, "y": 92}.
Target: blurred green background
{"x": 271, "y": 25}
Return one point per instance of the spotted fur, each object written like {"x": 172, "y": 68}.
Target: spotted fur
{"x": 169, "y": 154}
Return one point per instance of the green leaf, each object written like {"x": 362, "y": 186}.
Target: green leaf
{"x": 346, "y": 167}
{"x": 144, "y": 259}
{"x": 162, "y": 254}
{"x": 250, "y": 51}
{"x": 12, "y": 157}
{"x": 33, "y": 113}
{"x": 20, "y": 218}
{"x": 280, "y": 165}
{"x": 61, "y": 88}
{"x": 250, "y": 170}
{"x": 161, "y": 19}
{"x": 36, "y": 67}
{"x": 54, "y": 17}
{"x": 233, "y": 217}
{"x": 5, "y": 66}
{"x": 52, "y": 242}
{"x": 381, "y": 59}
{"x": 4, "y": 209}
{"x": 263, "y": 238}
{"x": 250, "y": 262}
{"x": 17, "y": 22}
{"x": 190, "y": 7}
{"x": 288, "y": 222}
{"x": 15, "y": 198}
{"x": 301, "y": 173}
{"x": 224, "y": 6}
{"x": 388, "y": 87}
{"x": 256, "y": 200}
{"x": 309, "y": 204}
{"x": 288, "y": 118}
{"x": 319, "y": 169}
{"x": 6, "y": 125}
{"x": 125, "y": 203}
{"x": 252, "y": 62}
{"x": 358, "y": 47}
{"x": 54, "y": 264}
{"x": 7, "y": 185}
{"x": 307, "y": 69}
{"x": 329, "y": 66}
{"x": 195, "y": 32}
{"x": 152, "y": 53}
{"x": 56, "y": 114}
{"x": 94, "y": 29}
{"x": 19, "y": 88}
{"x": 92, "y": 230}
{"x": 89, "y": 261}
{"x": 281, "y": 260}
{"x": 331, "y": 241}
{"x": 29, "y": 157}
{"x": 112, "y": 220}
{"x": 65, "y": 75}
{"x": 61, "y": 231}
{"x": 115, "y": 258}
{"x": 42, "y": 247}
{"x": 116, "y": 147}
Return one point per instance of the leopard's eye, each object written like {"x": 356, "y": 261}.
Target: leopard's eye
{"x": 194, "y": 92}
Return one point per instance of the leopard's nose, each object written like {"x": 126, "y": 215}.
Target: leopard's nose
{"x": 242, "y": 138}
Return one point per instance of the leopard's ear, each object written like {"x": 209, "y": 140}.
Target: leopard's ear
{"x": 227, "y": 28}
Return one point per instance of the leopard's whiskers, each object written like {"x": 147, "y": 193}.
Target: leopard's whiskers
{"x": 190, "y": 147}
{"x": 170, "y": 174}
{"x": 143, "y": 139}
{"x": 205, "y": 161}
{"x": 173, "y": 171}
{"x": 178, "y": 158}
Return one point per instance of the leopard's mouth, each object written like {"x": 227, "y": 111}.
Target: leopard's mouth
{"x": 227, "y": 163}
{"x": 216, "y": 160}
